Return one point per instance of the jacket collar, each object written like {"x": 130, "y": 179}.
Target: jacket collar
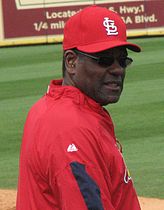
{"x": 56, "y": 90}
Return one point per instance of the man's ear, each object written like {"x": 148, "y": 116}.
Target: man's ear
{"x": 70, "y": 61}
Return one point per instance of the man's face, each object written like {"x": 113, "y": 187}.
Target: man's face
{"x": 103, "y": 84}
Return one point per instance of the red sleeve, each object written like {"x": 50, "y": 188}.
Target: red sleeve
{"x": 74, "y": 166}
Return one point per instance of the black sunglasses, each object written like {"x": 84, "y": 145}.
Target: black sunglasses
{"x": 106, "y": 61}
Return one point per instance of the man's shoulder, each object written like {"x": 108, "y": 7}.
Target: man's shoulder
{"x": 66, "y": 111}
{"x": 61, "y": 113}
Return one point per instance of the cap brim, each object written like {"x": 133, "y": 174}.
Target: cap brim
{"x": 98, "y": 47}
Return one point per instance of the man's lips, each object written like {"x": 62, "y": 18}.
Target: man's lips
{"x": 113, "y": 85}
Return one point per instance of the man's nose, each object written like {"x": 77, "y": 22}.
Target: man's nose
{"x": 117, "y": 70}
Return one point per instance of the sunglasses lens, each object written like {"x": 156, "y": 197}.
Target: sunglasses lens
{"x": 105, "y": 61}
{"x": 124, "y": 62}
{"x": 108, "y": 61}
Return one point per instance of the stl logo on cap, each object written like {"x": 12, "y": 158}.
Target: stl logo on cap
{"x": 110, "y": 27}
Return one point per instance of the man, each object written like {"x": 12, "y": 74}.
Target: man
{"x": 70, "y": 159}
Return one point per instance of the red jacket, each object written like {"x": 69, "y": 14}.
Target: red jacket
{"x": 69, "y": 156}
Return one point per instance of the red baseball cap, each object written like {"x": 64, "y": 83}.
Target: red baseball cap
{"x": 95, "y": 29}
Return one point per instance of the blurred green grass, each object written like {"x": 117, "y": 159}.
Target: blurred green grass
{"x": 138, "y": 116}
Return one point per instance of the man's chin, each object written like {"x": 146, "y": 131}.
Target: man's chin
{"x": 110, "y": 100}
